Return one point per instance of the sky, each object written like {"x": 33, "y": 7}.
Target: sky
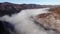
{"x": 42, "y": 2}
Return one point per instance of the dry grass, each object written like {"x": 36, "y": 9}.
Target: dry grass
{"x": 50, "y": 20}
{"x": 55, "y": 10}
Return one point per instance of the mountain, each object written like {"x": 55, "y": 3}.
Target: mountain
{"x": 11, "y": 8}
{"x": 7, "y": 5}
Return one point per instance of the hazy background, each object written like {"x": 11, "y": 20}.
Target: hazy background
{"x": 41, "y": 2}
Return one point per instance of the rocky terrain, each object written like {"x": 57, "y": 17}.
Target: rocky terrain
{"x": 9, "y": 8}
{"x": 50, "y": 20}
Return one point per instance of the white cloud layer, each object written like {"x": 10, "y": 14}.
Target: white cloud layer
{"x": 23, "y": 22}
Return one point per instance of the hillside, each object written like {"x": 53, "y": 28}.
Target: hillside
{"x": 11, "y": 8}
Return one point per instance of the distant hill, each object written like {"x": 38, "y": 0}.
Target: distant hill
{"x": 7, "y": 5}
{"x": 10, "y": 8}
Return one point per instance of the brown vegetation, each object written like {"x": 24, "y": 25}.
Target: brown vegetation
{"x": 55, "y": 10}
{"x": 50, "y": 20}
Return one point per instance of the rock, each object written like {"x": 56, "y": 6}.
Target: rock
{"x": 6, "y": 28}
{"x": 50, "y": 21}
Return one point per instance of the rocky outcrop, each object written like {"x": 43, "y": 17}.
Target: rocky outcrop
{"x": 51, "y": 20}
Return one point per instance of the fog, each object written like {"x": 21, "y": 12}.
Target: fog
{"x": 24, "y": 21}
